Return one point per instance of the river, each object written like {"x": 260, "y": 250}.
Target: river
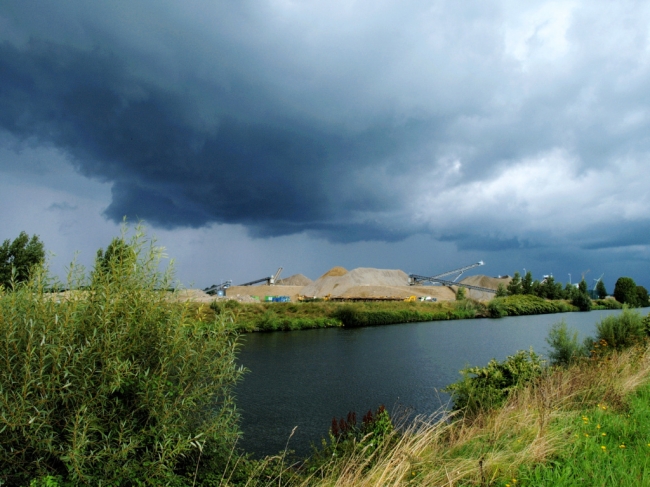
{"x": 303, "y": 379}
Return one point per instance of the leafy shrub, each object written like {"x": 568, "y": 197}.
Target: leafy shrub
{"x": 621, "y": 331}
{"x": 526, "y": 304}
{"x": 565, "y": 348}
{"x": 607, "y": 304}
{"x": 113, "y": 385}
{"x": 483, "y": 388}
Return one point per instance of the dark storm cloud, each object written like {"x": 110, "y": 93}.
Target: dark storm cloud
{"x": 367, "y": 121}
{"x": 277, "y": 176}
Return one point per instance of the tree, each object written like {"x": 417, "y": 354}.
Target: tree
{"x": 514, "y": 287}
{"x": 527, "y": 283}
{"x": 460, "y": 294}
{"x": 625, "y": 291}
{"x": 583, "y": 286}
{"x": 502, "y": 292}
{"x": 642, "y": 298}
{"x": 19, "y": 257}
{"x": 600, "y": 289}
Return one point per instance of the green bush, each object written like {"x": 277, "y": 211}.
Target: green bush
{"x": 483, "y": 388}
{"x": 607, "y": 304}
{"x": 565, "y": 348}
{"x": 526, "y": 304}
{"x": 621, "y": 331}
{"x": 113, "y": 385}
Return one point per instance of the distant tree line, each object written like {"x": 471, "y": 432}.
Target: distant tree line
{"x": 626, "y": 290}
{"x": 18, "y": 258}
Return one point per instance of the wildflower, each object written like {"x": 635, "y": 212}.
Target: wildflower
{"x": 598, "y": 426}
{"x": 587, "y": 434}
{"x": 603, "y": 447}
{"x": 621, "y": 446}
{"x": 603, "y": 434}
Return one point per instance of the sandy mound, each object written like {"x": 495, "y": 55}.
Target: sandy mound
{"x": 295, "y": 280}
{"x": 362, "y": 276}
{"x": 335, "y": 272}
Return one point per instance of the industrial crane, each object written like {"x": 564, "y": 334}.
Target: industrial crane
{"x": 415, "y": 279}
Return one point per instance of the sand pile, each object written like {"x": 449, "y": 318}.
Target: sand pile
{"x": 295, "y": 280}
{"x": 338, "y": 283}
{"x": 335, "y": 272}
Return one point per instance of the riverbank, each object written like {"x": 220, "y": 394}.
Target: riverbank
{"x": 588, "y": 420}
{"x": 264, "y": 317}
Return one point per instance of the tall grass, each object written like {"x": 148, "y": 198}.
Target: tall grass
{"x": 112, "y": 385}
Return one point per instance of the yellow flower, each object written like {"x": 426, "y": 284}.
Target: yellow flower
{"x": 604, "y": 447}
{"x": 603, "y": 434}
{"x": 587, "y": 434}
{"x": 621, "y": 446}
{"x": 598, "y": 426}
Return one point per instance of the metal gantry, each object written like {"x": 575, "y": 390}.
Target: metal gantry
{"x": 415, "y": 279}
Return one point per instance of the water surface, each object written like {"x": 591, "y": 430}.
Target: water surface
{"x": 304, "y": 378}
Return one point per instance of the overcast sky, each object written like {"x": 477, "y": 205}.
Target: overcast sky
{"x": 411, "y": 134}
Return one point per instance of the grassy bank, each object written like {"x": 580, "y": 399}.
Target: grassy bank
{"x": 321, "y": 314}
{"x": 250, "y": 317}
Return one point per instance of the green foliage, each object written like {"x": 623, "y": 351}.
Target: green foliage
{"x": 646, "y": 324}
{"x": 620, "y": 331}
{"x": 581, "y": 300}
{"x": 354, "y": 316}
{"x": 18, "y": 258}
{"x": 565, "y": 348}
{"x": 600, "y": 289}
{"x": 460, "y": 293}
{"x": 112, "y": 384}
{"x": 483, "y": 388}
{"x": 582, "y": 287}
{"x": 525, "y": 305}
{"x": 625, "y": 291}
{"x": 642, "y": 299}
{"x": 501, "y": 291}
{"x": 607, "y": 304}
{"x": 527, "y": 283}
{"x": 549, "y": 289}
{"x": 514, "y": 286}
